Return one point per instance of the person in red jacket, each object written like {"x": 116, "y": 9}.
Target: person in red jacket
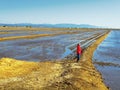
{"x": 79, "y": 52}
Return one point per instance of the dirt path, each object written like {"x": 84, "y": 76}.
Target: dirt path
{"x": 56, "y": 75}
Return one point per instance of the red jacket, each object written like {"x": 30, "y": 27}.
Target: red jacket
{"x": 79, "y": 49}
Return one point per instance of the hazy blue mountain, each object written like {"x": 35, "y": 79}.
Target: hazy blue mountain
{"x": 75, "y": 25}
{"x": 52, "y": 25}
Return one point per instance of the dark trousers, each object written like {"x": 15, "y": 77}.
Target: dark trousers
{"x": 78, "y": 57}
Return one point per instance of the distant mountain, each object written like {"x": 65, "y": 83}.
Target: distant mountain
{"x": 76, "y": 25}
{"x": 52, "y": 25}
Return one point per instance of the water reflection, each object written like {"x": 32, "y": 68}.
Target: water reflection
{"x": 109, "y": 52}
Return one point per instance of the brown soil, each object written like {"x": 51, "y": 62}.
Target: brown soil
{"x": 55, "y": 75}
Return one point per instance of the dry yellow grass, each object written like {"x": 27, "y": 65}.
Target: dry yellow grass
{"x": 3, "y": 32}
{"x": 20, "y": 75}
{"x": 32, "y": 28}
{"x": 48, "y": 29}
{"x": 11, "y": 67}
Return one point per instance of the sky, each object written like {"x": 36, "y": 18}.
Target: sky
{"x": 94, "y": 12}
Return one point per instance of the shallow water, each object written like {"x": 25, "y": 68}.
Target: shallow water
{"x": 109, "y": 52}
{"x": 8, "y": 33}
{"x": 43, "y": 48}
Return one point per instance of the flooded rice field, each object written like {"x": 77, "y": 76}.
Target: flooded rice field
{"x": 6, "y": 33}
{"x": 107, "y": 60}
{"x": 40, "y": 48}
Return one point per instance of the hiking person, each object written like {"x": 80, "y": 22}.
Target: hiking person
{"x": 79, "y": 52}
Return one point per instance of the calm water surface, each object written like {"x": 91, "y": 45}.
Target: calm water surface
{"x": 37, "y": 49}
{"x": 40, "y": 49}
{"x": 108, "y": 53}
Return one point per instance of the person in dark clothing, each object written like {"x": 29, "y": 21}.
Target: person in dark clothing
{"x": 79, "y": 52}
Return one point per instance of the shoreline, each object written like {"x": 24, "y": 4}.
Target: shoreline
{"x": 53, "y": 75}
